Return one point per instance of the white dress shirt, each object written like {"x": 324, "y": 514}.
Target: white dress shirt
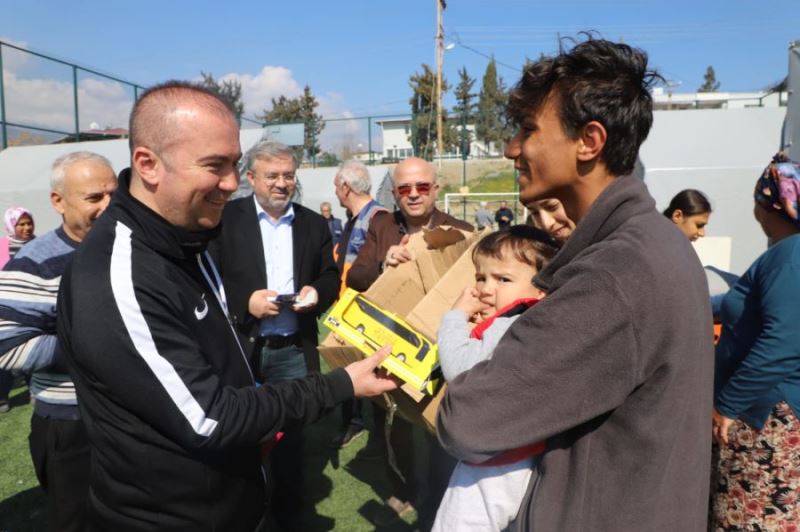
{"x": 276, "y": 237}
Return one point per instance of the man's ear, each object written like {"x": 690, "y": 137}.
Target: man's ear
{"x": 57, "y": 201}
{"x": 147, "y": 165}
{"x": 677, "y": 216}
{"x": 251, "y": 178}
{"x": 592, "y": 140}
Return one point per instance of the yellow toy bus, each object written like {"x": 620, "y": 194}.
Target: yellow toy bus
{"x": 367, "y": 327}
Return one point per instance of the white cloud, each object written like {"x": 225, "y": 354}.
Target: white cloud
{"x": 274, "y": 81}
{"x": 33, "y": 98}
{"x": 258, "y": 90}
{"x": 340, "y": 134}
{"x": 48, "y": 103}
{"x": 13, "y": 58}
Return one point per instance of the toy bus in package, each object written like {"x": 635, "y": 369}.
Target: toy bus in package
{"x": 367, "y": 327}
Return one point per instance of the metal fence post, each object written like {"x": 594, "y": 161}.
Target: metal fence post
{"x": 369, "y": 140}
{"x": 75, "y": 98}
{"x": 313, "y": 147}
{"x": 3, "y": 101}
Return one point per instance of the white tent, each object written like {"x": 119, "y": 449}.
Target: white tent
{"x": 25, "y": 176}
{"x": 317, "y": 186}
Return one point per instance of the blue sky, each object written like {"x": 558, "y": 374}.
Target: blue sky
{"x": 357, "y": 55}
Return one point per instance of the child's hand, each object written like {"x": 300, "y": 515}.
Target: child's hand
{"x": 469, "y": 303}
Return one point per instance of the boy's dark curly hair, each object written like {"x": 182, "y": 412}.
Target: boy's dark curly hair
{"x": 594, "y": 80}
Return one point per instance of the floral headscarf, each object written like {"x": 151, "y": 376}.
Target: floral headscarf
{"x": 13, "y": 214}
{"x": 779, "y": 185}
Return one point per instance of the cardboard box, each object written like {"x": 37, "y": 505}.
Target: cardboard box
{"x": 420, "y": 291}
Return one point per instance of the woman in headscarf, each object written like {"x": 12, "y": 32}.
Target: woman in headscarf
{"x": 19, "y": 226}
{"x": 756, "y": 483}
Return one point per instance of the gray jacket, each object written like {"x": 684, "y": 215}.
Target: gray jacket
{"x": 457, "y": 351}
{"x": 613, "y": 369}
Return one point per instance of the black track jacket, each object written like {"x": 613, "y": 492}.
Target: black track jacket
{"x": 165, "y": 391}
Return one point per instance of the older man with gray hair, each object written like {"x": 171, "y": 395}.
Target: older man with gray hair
{"x": 81, "y": 185}
{"x": 276, "y": 259}
{"x": 353, "y": 187}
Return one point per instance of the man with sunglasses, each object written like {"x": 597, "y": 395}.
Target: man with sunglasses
{"x": 276, "y": 259}
{"x": 414, "y": 192}
{"x": 352, "y": 186}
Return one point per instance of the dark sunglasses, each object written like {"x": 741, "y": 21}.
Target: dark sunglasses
{"x": 422, "y": 188}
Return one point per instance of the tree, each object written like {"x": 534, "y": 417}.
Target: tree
{"x": 491, "y": 127}
{"x": 229, "y": 90}
{"x": 423, "y": 115}
{"x": 328, "y": 159}
{"x": 710, "y": 83}
{"x": 312, "y": 121}
{"x": 25, "y": 138}
{"x": 464, "y": 108}
{"x": 301, "y": 109}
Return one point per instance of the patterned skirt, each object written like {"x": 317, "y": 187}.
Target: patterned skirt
{"x": 756, "y": 477}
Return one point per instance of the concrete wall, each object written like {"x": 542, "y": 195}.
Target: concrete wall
{"x": 720, "y": 152}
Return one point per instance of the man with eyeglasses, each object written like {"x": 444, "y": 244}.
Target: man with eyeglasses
{"x": 414, "y": 191}
{"x": 276, "y": 259}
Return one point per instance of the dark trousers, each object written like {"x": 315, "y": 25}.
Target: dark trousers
{"x": 401, "y": 441}
{"x": 6, "y": 383}
{"x": 285, "y": 465}
{"x": 60, "y": 453}
{"x": 426, "y": 476}
{"x": 351, "y": 413}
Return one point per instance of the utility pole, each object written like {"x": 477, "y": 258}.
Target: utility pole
{"x": 440, "y": 6}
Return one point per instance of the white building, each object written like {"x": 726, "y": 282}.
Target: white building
{"x": 396, "y": 135}
{"x": 396, "y": 132}
{"x": 364, "y": 156}
{"x": 667, "y": 100}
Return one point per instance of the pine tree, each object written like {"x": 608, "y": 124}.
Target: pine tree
{"x": 464, "y": 95}
{"x": 312, "y": 121}
{"x": 230, "y": 91}
{"x": 423, "y": 115}
{"x": 490, "y": 124}
{"x": 710, "y": 83}
{"x": 464, "y": 109}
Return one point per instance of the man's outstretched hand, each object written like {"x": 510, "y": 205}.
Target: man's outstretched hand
{"x": 368, "y": 382}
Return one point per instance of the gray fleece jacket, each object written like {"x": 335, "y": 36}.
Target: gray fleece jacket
{"x": 613, "y": 369}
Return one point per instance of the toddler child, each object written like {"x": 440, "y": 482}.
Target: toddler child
{"x": 487, "y": 496}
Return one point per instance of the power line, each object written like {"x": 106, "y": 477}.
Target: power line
{"x": 489, "y": 57}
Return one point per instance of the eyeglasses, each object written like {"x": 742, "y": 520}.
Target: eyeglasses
{"x": 423, "y": 189}
{"x": 271, "y": 178}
